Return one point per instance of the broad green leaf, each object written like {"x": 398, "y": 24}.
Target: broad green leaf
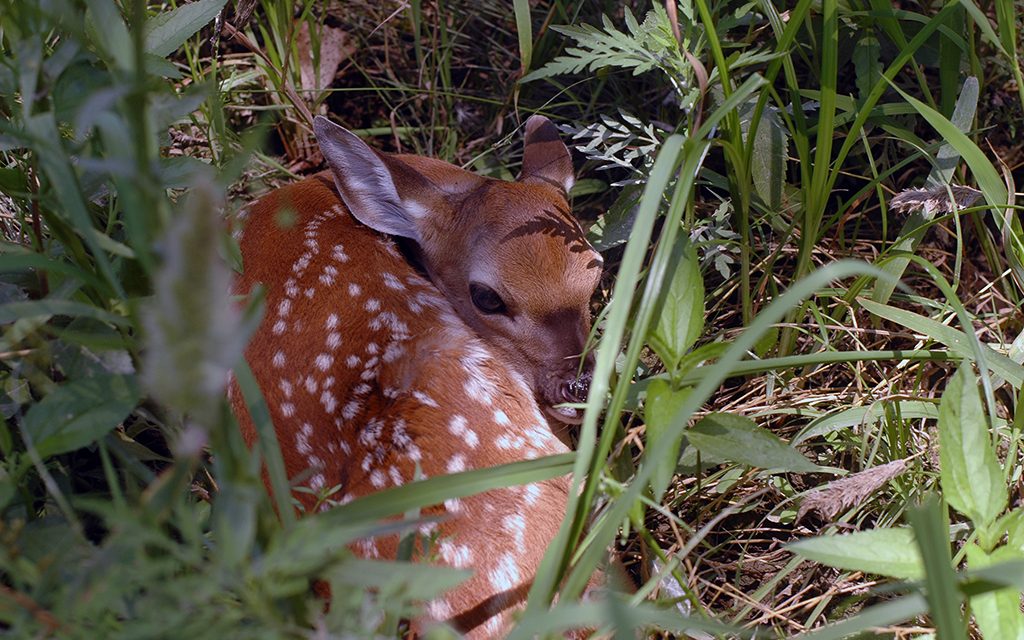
{"x": 886, "y": 552}
{"x": 107, "y": 30}
{"x": 771, "y": 153}
{"x": 1015, "y": 529}
{"x": 997, "y": 613}
{"x": 79, "y": 412}
{"x": 866, "y": 65}
{"x": 972, "y": 481}
{"x": 613, "y": 228}
{"x": 731, "y": 437}
{"x": 662, "y": 404}
{"x": 682, "y": 313}
{"x": 955, "y": 339}
{"x": 169, "y": 30}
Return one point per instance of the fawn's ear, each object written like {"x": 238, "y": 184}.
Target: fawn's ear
{"x": 545, "y": 157}
{"x": 365, "y": 182}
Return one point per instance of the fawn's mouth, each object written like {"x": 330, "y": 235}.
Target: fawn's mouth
{"x": 568, "y": 415}
{"x": 572, "y": 391}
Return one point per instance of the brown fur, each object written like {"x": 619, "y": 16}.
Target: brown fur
{"x": 427, "y": 370}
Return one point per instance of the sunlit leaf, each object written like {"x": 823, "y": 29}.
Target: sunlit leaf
{"x": 885, "y": 552}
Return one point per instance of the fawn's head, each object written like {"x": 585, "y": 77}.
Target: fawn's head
{"x": 509, "y": 256}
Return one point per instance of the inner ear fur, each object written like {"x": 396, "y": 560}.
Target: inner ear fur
{"x": 545, "y": 156}
{"x": 379, "y": 191}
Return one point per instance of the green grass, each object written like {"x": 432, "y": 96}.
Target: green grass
{"x": 768, "y": 326}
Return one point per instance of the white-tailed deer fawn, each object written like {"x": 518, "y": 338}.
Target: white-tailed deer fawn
{"x": 443, "y": 353}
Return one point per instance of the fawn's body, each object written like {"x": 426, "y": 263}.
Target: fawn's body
{"x": 370, "y": 372}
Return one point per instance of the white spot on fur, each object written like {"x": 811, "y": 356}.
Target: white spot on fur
{"x": 378, "y": 479}
{"x": 458, "y": 427}
{"x": 311, "y": 385}
{"x": 286, "y": 387}
{"x": 284, "y": 308}
{"x": 324, "y": 361}
{"x": 302, "y": 439}
{"x": 531, "y": 493}
{"x": 332, "y": 321}
{"x": 350, "y": 410}
{"x": 392, "y": 282}
{"x": 279, "y": 359}
{"x": 453, "y": 505}
{"x": 456, "y": 463}
{"x": 457, "y": 555}
{"x": 372, "y": 305}
{"x": 329, "y": 401}
{"x": 317, "y": 482}
{"x": 438, "y": 609}
{"x": 507, "y": 442}
{"x": 505, "y": 574}
{"x": 422, "y": 397}
{"x": 288, "y": 409}
{"x": 516, "y": 525}
{"x": 393, "y": 352}
{"x": 352, "y": 361}
{"x": 354, "y": 289}
{"x": 333, "y": 340}
{"x": 501, "y": 418}
{"x": 367, "y": 548}
{"x": 279, "y": 328}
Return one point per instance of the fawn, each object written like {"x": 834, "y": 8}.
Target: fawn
{"x": 444, "y": 352}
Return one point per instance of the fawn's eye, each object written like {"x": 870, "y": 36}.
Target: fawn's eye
{"x": 486, "y": 299}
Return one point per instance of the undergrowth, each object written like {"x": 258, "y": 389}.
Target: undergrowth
{"x": 805, "y": 419}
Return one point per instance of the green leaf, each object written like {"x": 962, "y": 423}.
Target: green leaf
{"x": 731, "y": 437}
{"x": 771, "y": 153}
{"x": 866, "y": 65}
{"x": 956, "y": 340}
{"x": 931, "y": 532}
{"x": 524, "y": 29}
{"x": 1015, "y": 529}
{"x": 662, "y": 404}
{"x": 885, "y": 552}
{"x": 915, "y": 227}
{"x": 44, "y": 308}
{"x": 169, "y": 30}
{"x": 861, "y": 416}
{"x": 423, "y": 493}
{"x": 613, "y": 228}
{"x": 79, "y": 412}
{"x": 997, "y": 613}
{"x": 984, "y": 173}
{"x": 682, "y": 314}
{"x": 972, "y": 481}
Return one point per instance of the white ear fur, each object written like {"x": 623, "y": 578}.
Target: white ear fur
{"x": 545, "y": 156}
{"x": 364, "y": 181}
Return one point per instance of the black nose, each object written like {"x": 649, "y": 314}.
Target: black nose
{"x": 576, "y": 390}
